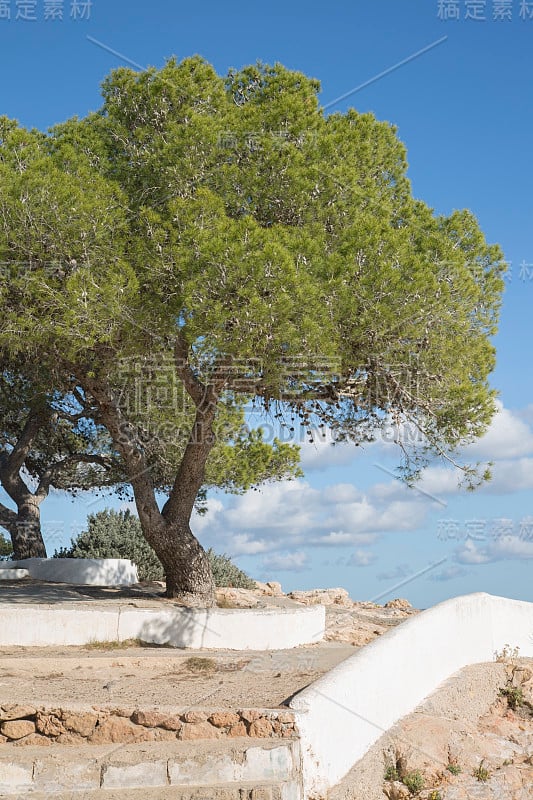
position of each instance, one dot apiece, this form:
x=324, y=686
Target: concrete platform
x=83, y=615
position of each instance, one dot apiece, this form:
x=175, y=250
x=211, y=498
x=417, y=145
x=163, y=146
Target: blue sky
x=464, y=110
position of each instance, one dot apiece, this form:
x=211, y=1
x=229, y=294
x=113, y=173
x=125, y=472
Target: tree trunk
x=187, y=570
x=26, y=535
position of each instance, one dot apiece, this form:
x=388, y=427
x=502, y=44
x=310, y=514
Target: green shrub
x=514, y=695
x=391, y=773
x=226, y=573
x=414, y=781
x=118, y=534
x=6, y=549
x=481, y=773
x=455, y=769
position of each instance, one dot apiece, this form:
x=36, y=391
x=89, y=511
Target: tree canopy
x=227, y=226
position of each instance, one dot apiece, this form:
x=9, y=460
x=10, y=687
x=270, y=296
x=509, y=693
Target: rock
x=325, y=597
x=118, y=730
x=80, y=723
x=236, y=598
x=70, y=738
x=396, y=791
x=198, y=730
x=161, y=735
x=15, y=711
x=237, y=730
x=249, y=715
x=18, y=728
x=48, y=724
x=173, y=723
x=150, y=719
x=285, y=716
x=260, y=729
x=33, y=740
x=400, y=603
x=3, y=739
x=269, y=589
x=195, y=716
x=223, y=719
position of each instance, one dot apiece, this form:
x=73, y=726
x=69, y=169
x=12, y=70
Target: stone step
x=177, y=770
x=244, y=791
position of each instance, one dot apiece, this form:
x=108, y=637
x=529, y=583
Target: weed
x=391, y=773
x=95, y=644
x=414, y=781
x=455, y=769
x=200, y=665
x=481, y=773
x=514, y=695
x=507, y=653
x=435, y=795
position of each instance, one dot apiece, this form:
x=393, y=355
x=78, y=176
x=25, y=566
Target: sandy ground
x=159, y=677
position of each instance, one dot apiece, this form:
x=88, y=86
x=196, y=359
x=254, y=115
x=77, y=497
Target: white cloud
x=505, y=548
x=361, y=558
x=508, y=436
x=296, y=561
x=449, y=573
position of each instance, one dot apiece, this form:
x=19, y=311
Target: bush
x=226, y=573
x=6, y=548
x=118, y=534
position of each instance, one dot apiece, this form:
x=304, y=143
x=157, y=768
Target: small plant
x=391, y=773
x=200, y=665
x=514, y=695
x=435, y=795
x=414, y=781
x=455, y=769
x=507, y=762
x=95, y=644
x=481, y=773
x=508, y=653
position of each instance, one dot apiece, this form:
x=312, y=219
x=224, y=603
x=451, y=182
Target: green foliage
x=226, y=573
x=6, y=550
x=115, y=534
x=391, y=773
x=455, y=769
x=414, y=781
x=515, y=696
x=118, y=534
x=296, y=253
x=481, y=773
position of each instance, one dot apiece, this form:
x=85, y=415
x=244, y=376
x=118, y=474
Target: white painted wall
x=81, y=571
x=236, y=629
x=343, y=713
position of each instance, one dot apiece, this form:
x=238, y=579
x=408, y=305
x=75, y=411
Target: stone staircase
x=229, y=769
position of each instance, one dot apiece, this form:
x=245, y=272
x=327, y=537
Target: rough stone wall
x=22, y=725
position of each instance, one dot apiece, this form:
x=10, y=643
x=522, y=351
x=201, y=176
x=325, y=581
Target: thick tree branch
x=8, y=518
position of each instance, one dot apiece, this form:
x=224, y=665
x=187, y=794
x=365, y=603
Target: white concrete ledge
x=235, y=629
x=13, y=574
x=81, y=571
x=343, y=713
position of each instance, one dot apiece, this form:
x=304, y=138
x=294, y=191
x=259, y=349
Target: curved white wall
x=81, y=571
x=236, y=629
x=343, y=713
